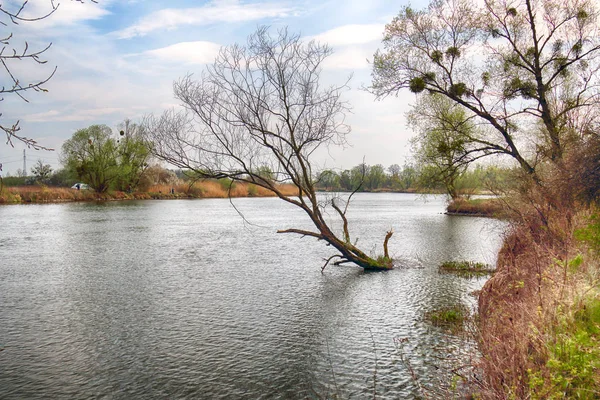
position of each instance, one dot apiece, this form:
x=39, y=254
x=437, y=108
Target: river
x=187, y=299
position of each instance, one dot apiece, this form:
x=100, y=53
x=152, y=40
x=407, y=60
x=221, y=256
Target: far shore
x=35, y=194
x=199, y=190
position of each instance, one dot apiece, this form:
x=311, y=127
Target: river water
x=185, y=299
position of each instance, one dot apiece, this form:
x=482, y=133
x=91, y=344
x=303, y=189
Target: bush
x=573, y=357
x=14, y=180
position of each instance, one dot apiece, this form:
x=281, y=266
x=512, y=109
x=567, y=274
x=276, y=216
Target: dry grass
x=43, y=194
x=219, y=189
x=477, y=207
x=204, y=189
x=543, y=275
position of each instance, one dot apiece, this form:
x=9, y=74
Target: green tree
x=328, y=180
x=394, y=171
x=91, y=154
x=444, y=141
x=62, y=177
x=408, y=176
x=507, y=63
x=357, y=177
x=265, y=172
x=41, y=172
x=346, y=180
x=105, y=162
x=133, y=154
x=376, y=178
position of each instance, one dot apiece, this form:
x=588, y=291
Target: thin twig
x=337, y=390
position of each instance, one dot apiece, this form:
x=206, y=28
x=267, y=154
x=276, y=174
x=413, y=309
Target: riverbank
x=198, y=190
x=539, y=315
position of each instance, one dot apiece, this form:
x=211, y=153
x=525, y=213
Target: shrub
x=573, y=359
x=252, y=190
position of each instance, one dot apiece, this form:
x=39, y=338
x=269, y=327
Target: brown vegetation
x=540, y=313
x=201, y=189
x=476, y=207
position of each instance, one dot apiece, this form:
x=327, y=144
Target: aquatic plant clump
x=452, y=317
x=466, y=269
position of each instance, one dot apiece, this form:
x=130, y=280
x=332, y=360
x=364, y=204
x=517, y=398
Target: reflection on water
x=182, y=299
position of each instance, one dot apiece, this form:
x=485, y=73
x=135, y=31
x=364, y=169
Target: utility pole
x=24, y=163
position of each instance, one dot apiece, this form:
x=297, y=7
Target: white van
x=81, y=186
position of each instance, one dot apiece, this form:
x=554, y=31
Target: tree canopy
x=516, y=66
x=104, y=162
x=445, y=138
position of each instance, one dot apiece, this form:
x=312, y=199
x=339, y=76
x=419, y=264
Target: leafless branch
x=10, y=52
x=257, y=115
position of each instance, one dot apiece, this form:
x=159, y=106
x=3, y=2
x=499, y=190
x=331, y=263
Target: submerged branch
x=328, y=260
x=302, y=232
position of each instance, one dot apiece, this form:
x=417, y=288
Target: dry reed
x=202, y=189
x=534, y=289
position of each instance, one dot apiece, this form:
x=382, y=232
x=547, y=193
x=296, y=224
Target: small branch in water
x=328, y=260
x=375, y=370
x=385, y=243
x=406, y=361
x=342, y=262
x=337, y=390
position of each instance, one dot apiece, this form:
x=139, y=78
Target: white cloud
x=200, y=52
x=67, y=13
x=352, y=45
x=43, y=116
x=350, y=57
x=351, y=34
x=78, y=115
x=213, y=12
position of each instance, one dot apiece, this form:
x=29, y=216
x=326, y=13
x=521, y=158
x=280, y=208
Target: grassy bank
x=198, y=190
x=540, y=313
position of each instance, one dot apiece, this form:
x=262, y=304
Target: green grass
x=466, y=269
x=590, y=234
x=572, y=369
x=451, y=318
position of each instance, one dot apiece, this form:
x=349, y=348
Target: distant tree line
x=411, y=178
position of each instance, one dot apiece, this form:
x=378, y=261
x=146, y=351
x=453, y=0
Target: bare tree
x=14, y=14
x=262, y=107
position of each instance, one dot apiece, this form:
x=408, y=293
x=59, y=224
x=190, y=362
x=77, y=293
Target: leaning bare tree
x=261, y=107
x=10, y=54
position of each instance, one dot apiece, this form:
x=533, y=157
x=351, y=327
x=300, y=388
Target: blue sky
x=118, y=59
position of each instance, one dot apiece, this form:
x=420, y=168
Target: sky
x=118, y=59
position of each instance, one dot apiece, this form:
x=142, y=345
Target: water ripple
x=180, y=299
